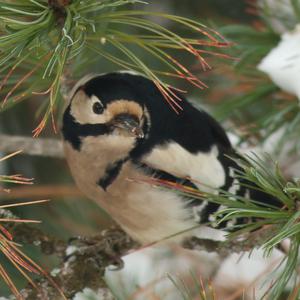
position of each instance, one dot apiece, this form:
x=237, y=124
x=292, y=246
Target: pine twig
x=48, y=191
x=83, y=263
x=83, y=266
x=32, y=146
x=235, y=245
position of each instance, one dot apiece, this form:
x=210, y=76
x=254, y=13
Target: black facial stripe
x=111, y=173
x=72, y=131
x=142, y=146
x=93, y=129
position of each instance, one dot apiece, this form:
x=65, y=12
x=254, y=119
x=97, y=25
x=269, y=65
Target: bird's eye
x=97, y=108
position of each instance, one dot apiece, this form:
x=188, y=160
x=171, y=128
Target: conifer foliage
x=46, y=45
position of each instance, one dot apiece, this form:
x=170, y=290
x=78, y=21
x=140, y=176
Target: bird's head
x=105, y=105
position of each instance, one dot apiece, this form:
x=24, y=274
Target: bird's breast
x=146, y=212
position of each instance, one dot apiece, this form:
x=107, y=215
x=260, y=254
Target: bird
x=118, y=132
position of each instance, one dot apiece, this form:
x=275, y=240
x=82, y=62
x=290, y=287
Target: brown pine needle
x=19, y=220
x=24, y=203
x=41, y=270
x=11, y=250
x=9, y=283
x=6, y=233
x=10, y=155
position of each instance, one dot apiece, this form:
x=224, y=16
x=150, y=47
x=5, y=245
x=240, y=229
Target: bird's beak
x=129, y=123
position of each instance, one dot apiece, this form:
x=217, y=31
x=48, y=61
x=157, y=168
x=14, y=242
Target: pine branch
x=44, y=41
x=243, y=243
x=258, y=106
x=85, y=266
x=32, y=146
x=82, y=268
x=280, y=222
x=282, y=218
x=48, y=191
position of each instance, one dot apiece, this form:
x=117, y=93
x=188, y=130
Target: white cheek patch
x=82, y=110
x=95, y=99
x=235, y=186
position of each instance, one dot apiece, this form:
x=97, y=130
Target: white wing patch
x=197, y=210
x=204, y=169
x=235, y=186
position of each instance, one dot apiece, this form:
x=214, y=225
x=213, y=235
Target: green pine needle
x=283, y=222
x=41, y=45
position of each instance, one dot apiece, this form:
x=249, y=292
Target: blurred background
x=240, y=96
